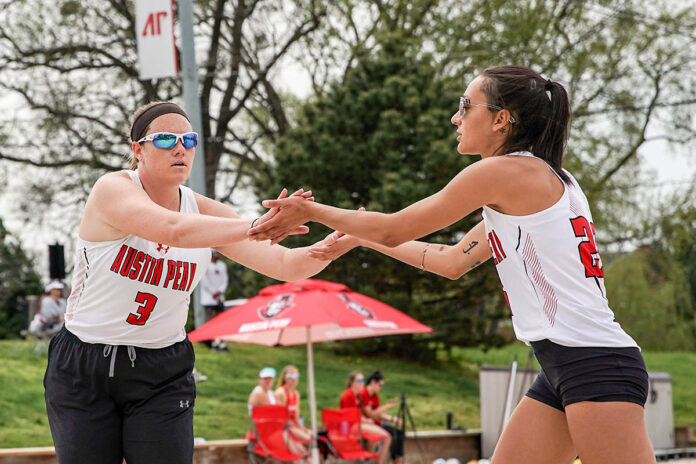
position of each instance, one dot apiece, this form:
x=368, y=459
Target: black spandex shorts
x=573, y=374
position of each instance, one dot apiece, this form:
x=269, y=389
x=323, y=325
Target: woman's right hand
x=273, y=211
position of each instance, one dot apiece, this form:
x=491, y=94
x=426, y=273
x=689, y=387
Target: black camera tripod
x=404, y=414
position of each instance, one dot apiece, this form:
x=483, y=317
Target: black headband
x=548, y=85
x=146, y=117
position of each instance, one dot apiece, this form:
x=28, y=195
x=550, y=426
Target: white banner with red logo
x=154, y=27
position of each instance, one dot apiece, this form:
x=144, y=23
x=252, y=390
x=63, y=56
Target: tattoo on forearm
x=471, y=246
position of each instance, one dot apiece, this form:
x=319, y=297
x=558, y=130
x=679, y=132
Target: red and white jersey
x=132, y=291
x=552, y=274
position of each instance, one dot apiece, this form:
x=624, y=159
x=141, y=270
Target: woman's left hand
x=335, y=245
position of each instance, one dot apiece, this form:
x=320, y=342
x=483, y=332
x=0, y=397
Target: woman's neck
x=165, y=195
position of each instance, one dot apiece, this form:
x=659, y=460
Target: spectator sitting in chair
x=371, y=408
x=351, y=399
x=49, y=319
x=287, y=395
x=262, y=395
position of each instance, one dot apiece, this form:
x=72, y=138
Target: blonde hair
x=132, y=160
x=284, y=372
x=351, y=378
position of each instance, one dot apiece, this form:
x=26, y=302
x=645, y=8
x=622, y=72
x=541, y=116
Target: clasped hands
x=286, y=216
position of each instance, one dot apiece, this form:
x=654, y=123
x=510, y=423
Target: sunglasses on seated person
x=168, y=140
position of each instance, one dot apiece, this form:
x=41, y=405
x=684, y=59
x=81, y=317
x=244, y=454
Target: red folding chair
x=343, y=430
x=269, y=424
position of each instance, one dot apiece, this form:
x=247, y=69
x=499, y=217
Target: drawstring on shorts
x=112, y=350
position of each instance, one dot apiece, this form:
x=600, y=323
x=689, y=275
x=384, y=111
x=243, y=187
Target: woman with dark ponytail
x=588, y=399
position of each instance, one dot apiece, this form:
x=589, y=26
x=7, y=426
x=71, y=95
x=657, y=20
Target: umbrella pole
x=312, y=398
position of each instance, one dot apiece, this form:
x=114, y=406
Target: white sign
x=264, y=325
x=154, y=27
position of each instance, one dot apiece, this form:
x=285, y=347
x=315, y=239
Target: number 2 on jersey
x=588, y=247
x=147, y=301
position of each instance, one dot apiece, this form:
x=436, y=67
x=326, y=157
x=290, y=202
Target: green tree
x=629, y=76
x=377, y=139
x=625, y=65
x=69, y=70
x=650, y=296
x=17, y=280
x=673, y=232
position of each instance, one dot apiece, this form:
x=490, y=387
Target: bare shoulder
x=213, y=207
x=112, y=183
x=508, y=165
x=280, y=394
x=94, y=226
x=116, y=176
x=486, y=171
x=481, y=181
x=524, y=185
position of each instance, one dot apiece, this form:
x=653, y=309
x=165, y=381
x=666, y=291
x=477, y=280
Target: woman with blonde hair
x=287, y=395
x=119, y=380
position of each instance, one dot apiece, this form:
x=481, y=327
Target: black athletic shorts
x=106, y=403
x=573, y=374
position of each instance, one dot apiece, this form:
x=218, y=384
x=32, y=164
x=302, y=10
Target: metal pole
x=509, y=407
x=312, y=398
x=189, y=78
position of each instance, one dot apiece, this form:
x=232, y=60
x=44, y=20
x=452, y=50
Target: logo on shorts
x=184, y=404
x=277, y=306
x=162, y=248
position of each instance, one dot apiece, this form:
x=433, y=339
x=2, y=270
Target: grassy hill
x=221, y=411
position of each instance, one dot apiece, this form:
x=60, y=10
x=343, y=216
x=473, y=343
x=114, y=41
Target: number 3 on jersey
x=147, y=302
x=588, y=247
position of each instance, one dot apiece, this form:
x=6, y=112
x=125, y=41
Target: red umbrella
x=280, y=315
x=307, y=311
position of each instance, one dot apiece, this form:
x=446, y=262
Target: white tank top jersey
x=132, y=291
x=552, y=273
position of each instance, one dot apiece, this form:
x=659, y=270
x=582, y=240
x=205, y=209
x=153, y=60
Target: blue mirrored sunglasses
x=168, y=140
x=292, y=376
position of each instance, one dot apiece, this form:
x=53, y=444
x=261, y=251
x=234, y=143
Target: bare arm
x=445, y=260
x=277, y=262
x=117, y=207
x=475, y=186
x=217, y=226
x=258, y=398
x=280, y=397
x=381, y=412
x=369, y=412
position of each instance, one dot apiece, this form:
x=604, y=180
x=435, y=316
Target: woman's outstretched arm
x=451, y=261
x=477, y=185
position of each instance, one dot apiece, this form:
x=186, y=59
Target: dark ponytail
x=540, y=108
